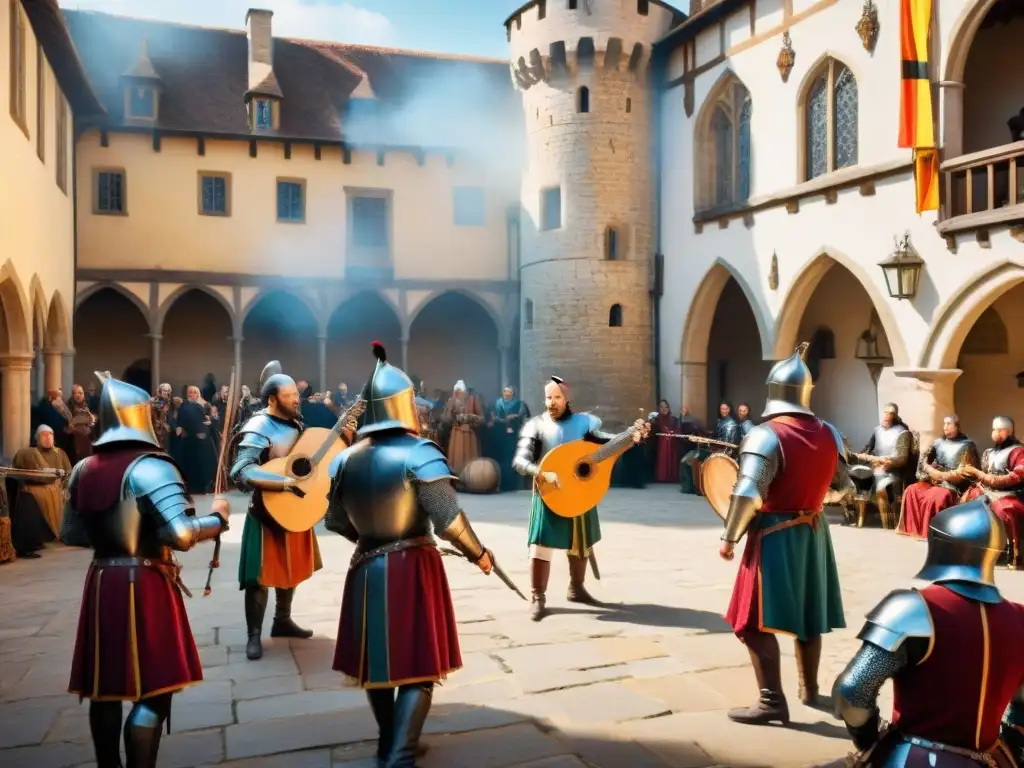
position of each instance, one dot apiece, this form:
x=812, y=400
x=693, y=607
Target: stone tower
x=586, y=225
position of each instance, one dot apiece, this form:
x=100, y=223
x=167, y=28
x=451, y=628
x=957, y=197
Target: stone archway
x=353, y=325
x=845, y=391
x=197, y=338
x=727, y=309
x=16, y=349
x=111, y=333
x=279, y=325
x=453, y=336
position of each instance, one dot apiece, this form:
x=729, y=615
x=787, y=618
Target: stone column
x=694, y=389
x=238, y=362
x=323, y=363
x=38, y=375
x=15, y=402
x=405, y=354
x=154, y=361
x=67, y=372
x=951, y=120
x=503, y=369
x=53, y=372
x=925, y=397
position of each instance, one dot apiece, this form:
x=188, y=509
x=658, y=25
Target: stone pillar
x=951, y=121
x=15, y=402
x=238, y=362
x=38, y=375
x=53, y=372
x=503, y=367
x=67, y=373
x=925, y=397
x=694, y=389
x=154, y=361
x=323, y=363
x=405, y=354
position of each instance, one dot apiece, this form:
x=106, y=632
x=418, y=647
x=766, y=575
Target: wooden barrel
x=480, y=476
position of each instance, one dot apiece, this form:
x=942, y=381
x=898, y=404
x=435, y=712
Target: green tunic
x=578, y=535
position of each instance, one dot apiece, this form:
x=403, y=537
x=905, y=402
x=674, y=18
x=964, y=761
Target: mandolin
x=299, y=508
x=584, y=470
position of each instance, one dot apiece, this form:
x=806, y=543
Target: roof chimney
x=262, y=81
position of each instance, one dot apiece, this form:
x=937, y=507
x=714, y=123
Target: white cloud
x=314, y=19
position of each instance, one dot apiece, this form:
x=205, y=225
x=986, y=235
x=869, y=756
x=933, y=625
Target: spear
x=218, y=486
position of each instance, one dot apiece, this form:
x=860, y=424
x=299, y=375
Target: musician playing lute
x=559, y=424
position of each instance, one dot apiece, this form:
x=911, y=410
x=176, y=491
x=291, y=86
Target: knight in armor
x=271, y=556
x=743, y=419
x=389, y=491
x=557, y=425
x=134, y=641
x=941, y=481
x=1001, y=479
x=880, y=478
x=953, y=653
x=790, y=465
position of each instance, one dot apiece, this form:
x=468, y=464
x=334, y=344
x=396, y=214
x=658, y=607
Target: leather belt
x=359, y=557
x=803, y=517
x=166, y=568
x=985, y=758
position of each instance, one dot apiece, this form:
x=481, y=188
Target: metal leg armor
x=771, y=705
x=577, y=593
x=540, y=571
x=411, y=708
x=884, y=507
x=382, y=703
x=105, y=725
x=142, y=731
x=808, y=656
x=255, y=608
x=283, y=625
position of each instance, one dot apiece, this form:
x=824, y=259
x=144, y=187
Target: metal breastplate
x=126, y=530
x=726, y=429
x=999, y=460
x=553, y=433
x=282, y=436
x=949, y=453
x=378, y=494
x=887, y=440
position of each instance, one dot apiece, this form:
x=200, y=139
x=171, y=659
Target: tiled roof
x=204, y=74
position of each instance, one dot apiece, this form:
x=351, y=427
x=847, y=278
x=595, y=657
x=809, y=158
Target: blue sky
x=456, y=26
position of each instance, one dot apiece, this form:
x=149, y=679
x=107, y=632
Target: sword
x=495, y=568
x=696, y=439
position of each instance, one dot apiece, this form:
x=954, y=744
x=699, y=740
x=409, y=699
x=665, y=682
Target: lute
x=584, y=470
x=299, y=508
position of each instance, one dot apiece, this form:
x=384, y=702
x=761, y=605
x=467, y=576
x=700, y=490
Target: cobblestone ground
x=641, y=683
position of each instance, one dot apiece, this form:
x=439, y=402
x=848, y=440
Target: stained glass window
x=817, y=129
x=743, y=161
x=845, y=125
x=726, y=154
x=721, y=127
x=263, y=113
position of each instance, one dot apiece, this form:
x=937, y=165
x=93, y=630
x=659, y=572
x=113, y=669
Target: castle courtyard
x=642, y=683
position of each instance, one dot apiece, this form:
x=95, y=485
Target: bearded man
x=548, y=532
x=271, y=556
x=887, y=452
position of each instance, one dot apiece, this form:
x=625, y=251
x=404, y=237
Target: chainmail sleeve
x=337, y=519
x=441, y=504
x=904, y=446
x=856, y=690
x=527, y=450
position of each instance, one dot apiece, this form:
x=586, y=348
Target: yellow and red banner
x=917, y=125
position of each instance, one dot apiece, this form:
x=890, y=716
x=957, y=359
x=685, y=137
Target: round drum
x=481, y=476
x=718, y=476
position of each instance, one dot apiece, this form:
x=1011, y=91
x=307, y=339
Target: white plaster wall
x=858, y=230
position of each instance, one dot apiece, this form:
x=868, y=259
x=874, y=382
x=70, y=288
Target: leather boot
x=255, y=608
x=771, y=704
x=412, y=705
x=577, y=593
x=382, y=703
x=105, y=725
x=808, y=655
x=540, y=571
x=283, y=625
x=142, y=731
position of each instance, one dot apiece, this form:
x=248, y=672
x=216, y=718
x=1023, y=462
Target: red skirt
x=134, y=639
x=921, y=502
x=397, y=621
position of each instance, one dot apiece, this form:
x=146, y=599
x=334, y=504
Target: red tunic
x=958, y=694
x=921, y=502
x=1010, y=509
x=809, y=464
x=134, y=639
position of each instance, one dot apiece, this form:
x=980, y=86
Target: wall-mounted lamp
x=902, y=270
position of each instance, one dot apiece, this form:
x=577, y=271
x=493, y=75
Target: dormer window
x=141, y=103
x=264, y=114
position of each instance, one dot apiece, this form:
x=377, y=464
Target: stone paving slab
x=642, y=681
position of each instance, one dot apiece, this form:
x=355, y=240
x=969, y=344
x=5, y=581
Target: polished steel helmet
x=390, y=398
x=964, y=545
x=125, y=413
x=272, y=379
x=789, y=386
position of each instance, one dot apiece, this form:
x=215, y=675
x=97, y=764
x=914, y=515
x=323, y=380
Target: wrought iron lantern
x=902, y=270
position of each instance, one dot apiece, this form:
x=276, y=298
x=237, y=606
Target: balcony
x=983, y=190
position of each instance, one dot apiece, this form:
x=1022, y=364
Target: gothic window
x=615, y=316
x=583, y=99
x=611, y=244
x=551, y=209
x=831, y=112
x=724, y=148
x=263, y=115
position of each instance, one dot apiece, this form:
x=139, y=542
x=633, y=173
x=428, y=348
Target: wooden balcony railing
x=983, y=189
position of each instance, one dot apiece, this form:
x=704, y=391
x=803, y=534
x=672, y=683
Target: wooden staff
x=218, y=484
